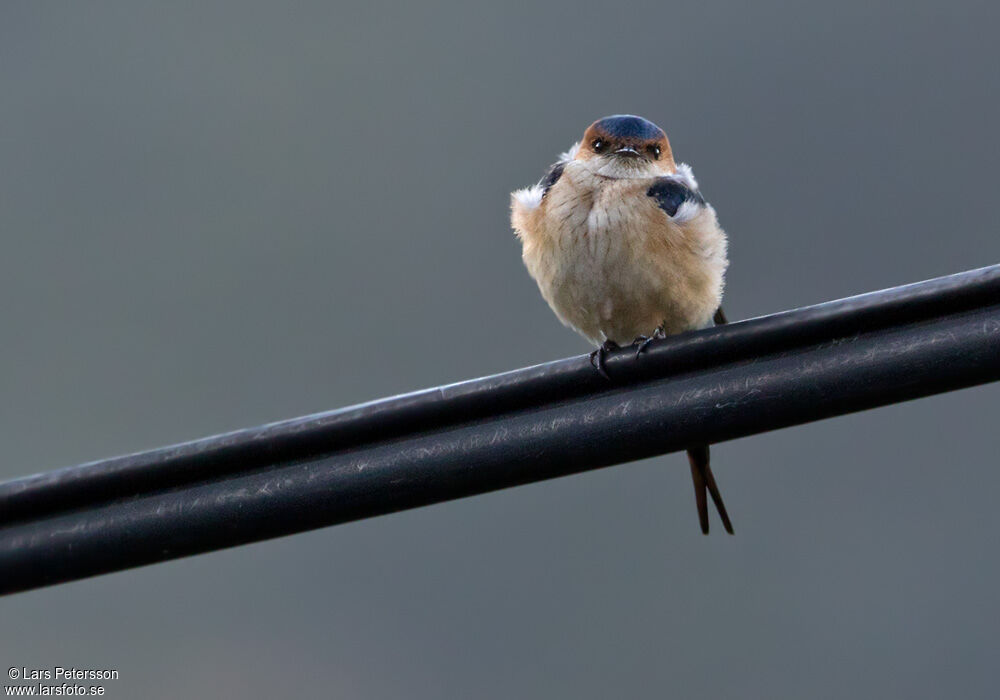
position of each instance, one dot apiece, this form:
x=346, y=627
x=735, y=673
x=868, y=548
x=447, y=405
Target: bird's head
x=624, y=146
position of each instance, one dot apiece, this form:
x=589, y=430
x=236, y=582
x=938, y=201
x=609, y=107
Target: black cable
x=532, y=424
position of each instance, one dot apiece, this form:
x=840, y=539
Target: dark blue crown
x=627, y=126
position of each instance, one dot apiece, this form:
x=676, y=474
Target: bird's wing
x=525, y=204
x=530, y=198
x=676, y=197
x=551, y=177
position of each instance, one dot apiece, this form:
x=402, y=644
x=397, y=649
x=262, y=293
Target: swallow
x=625, y=249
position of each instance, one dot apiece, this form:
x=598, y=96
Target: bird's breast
x=613, y=265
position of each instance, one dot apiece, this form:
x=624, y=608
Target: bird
x=625, y=249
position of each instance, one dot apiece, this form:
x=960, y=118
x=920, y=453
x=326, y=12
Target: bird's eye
x=597, y=145
x=655, y=150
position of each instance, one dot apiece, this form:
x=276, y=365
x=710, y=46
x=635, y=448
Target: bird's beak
x=628, y=152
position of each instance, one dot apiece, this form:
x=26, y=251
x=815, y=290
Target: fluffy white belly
x=613, y=266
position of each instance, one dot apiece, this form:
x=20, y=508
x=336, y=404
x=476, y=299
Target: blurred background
x=215, y=215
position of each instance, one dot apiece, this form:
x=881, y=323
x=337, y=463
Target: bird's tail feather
x=704, y=485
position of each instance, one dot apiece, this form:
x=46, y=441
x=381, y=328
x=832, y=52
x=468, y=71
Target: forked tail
x=704, y=484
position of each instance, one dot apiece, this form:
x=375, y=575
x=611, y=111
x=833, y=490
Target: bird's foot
x=597, y=357
x=644, y=340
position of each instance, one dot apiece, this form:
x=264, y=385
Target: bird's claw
x=643, y=341
x=598, y=355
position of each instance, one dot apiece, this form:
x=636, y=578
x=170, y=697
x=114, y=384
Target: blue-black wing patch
x=555, y=172
x=671, y=194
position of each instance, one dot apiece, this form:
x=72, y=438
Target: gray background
x=226, y=214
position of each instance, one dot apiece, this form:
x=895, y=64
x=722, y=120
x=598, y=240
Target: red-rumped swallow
x=625, y=249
